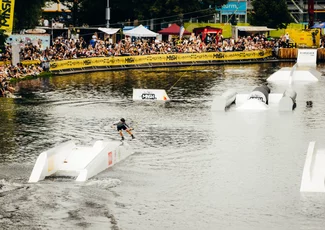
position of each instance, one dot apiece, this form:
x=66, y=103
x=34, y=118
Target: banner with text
x=7, y=15
x=157, y=58
x=150, y=95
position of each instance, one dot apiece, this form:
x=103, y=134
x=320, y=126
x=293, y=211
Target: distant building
x=237, y=10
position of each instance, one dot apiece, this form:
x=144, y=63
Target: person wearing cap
x=121, y=125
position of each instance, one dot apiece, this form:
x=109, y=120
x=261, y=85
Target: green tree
x=93, y=12
x=74, y=6
x=3, y=38
x=27, y=13
x=145, y=9
x=271, y=13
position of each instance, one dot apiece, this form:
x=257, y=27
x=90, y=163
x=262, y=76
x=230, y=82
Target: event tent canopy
x=249, y=29
x=140, y=31
x=207, y=29
x=173, y=29
x=253, y=28
x=108, y=30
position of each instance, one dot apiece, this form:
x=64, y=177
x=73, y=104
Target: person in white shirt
x=46, y=22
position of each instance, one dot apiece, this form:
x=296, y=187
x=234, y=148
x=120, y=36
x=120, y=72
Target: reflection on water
x=193, y=169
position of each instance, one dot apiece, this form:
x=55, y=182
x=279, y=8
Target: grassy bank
x=29, y=77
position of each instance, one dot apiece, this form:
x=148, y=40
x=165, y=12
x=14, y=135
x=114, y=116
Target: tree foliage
x=147, y=9
x=92, y=12
x=27, y=13
x=271, y=13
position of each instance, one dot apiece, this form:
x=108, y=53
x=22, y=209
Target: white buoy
x=220, y=103
x=288, y=101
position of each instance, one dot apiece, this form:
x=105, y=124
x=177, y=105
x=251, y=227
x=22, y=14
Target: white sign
x=150, y=95
x=307, y=57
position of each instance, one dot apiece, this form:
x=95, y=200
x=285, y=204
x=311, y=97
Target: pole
x=108, y=14
x=311, y=13
x=52, y=31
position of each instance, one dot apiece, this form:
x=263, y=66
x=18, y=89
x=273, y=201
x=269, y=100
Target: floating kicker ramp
x=82, y=162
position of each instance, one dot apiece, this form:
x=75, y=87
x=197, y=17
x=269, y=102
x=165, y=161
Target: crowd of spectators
x=8, y=72
x=64, y=48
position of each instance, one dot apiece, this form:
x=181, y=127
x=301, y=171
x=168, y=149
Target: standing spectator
x=46, y=22
x=93, y=41
x=287, y=39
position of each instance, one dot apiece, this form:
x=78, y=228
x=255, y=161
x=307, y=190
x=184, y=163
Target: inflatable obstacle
x=313, y=177
x=260, y=98
x=150, y=95
x=222, y=102
x=303, y=71
x=82, y=162
x=288, y=100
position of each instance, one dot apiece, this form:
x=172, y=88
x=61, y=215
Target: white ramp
x=303, y=71
x=314, y=170
x=82, y=162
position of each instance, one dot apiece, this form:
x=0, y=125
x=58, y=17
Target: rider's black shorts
x=120, y=127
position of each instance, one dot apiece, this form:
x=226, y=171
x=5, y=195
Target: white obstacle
x=220, y=103
x=313, y=177
x=259, y=99
x=288, y=100
x=150, y=95
x=82, y=162
x=303, y=71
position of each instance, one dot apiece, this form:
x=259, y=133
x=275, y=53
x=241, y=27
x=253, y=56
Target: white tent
x=140, y=31
x=251, y=29
x=108, y=30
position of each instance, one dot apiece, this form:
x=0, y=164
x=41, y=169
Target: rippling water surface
x=193, y=168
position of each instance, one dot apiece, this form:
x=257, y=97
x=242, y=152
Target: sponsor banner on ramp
x=150, y=95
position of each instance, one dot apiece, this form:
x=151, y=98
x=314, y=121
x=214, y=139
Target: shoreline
x=149, y=65
x=168, y=64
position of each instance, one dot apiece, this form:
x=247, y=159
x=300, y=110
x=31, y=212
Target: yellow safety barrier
x=31, y=62
x=157, y=58
x=25, y=62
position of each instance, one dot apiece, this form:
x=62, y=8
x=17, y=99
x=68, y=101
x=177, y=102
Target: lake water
x=193, y=168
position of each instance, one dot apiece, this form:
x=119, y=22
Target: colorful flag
x=181, y=32
x=7, y=15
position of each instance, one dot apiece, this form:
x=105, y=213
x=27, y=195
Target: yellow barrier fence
x=24, y=62
x=31, y=62
x=157, y=58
